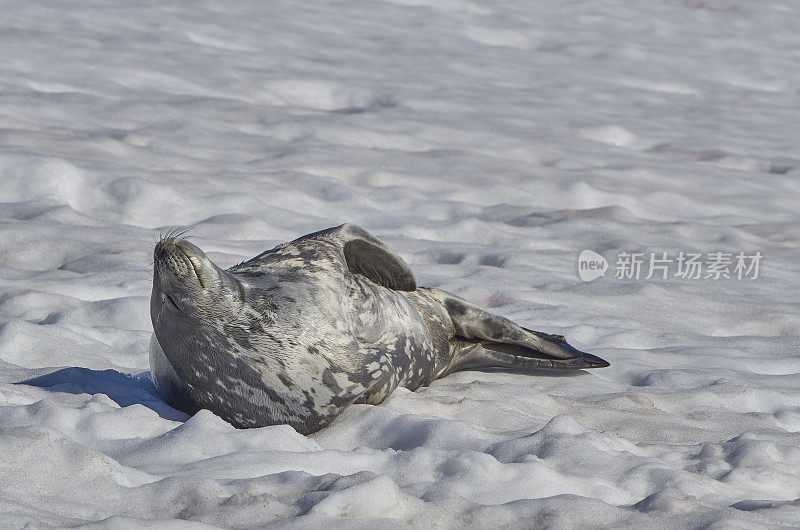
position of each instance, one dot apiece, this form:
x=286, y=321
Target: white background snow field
x=489, y=143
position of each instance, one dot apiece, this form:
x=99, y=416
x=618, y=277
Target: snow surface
x=488, y=143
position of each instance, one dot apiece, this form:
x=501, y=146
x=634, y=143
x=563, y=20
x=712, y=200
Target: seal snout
x=184, y=260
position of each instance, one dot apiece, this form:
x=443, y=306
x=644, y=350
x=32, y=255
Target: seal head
x=190, y=295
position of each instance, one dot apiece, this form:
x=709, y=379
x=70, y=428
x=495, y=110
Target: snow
x=489, y=143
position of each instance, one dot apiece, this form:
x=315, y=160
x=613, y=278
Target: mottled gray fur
x=299, y=332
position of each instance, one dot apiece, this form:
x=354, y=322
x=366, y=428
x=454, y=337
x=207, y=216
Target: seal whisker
x=175, y=232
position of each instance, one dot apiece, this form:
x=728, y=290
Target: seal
x=298, y=333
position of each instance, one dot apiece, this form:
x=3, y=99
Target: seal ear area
x=379, y=264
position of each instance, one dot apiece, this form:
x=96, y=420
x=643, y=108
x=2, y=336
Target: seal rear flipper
x=474, y=323
x=485, y=354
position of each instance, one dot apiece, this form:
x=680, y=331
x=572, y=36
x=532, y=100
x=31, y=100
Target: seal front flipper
x=369, y=256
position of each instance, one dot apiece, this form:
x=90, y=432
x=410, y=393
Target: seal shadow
x=127, y=389
x=124, y=389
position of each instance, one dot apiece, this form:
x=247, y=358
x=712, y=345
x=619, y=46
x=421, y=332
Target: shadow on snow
x=124, y=389
x=127, y=389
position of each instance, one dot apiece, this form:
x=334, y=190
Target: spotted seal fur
x=297, y=333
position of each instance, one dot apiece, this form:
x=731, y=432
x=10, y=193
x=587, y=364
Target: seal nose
x=183, y=259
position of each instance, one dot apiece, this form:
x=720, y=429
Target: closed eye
x=169, y=301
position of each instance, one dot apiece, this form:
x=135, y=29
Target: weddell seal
x=297, y=333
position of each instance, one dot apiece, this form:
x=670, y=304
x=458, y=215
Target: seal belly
x=168, y=383
x=438, y=323
x=399, y=348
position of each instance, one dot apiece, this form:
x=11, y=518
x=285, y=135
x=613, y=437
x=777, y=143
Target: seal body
x=298, y=333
